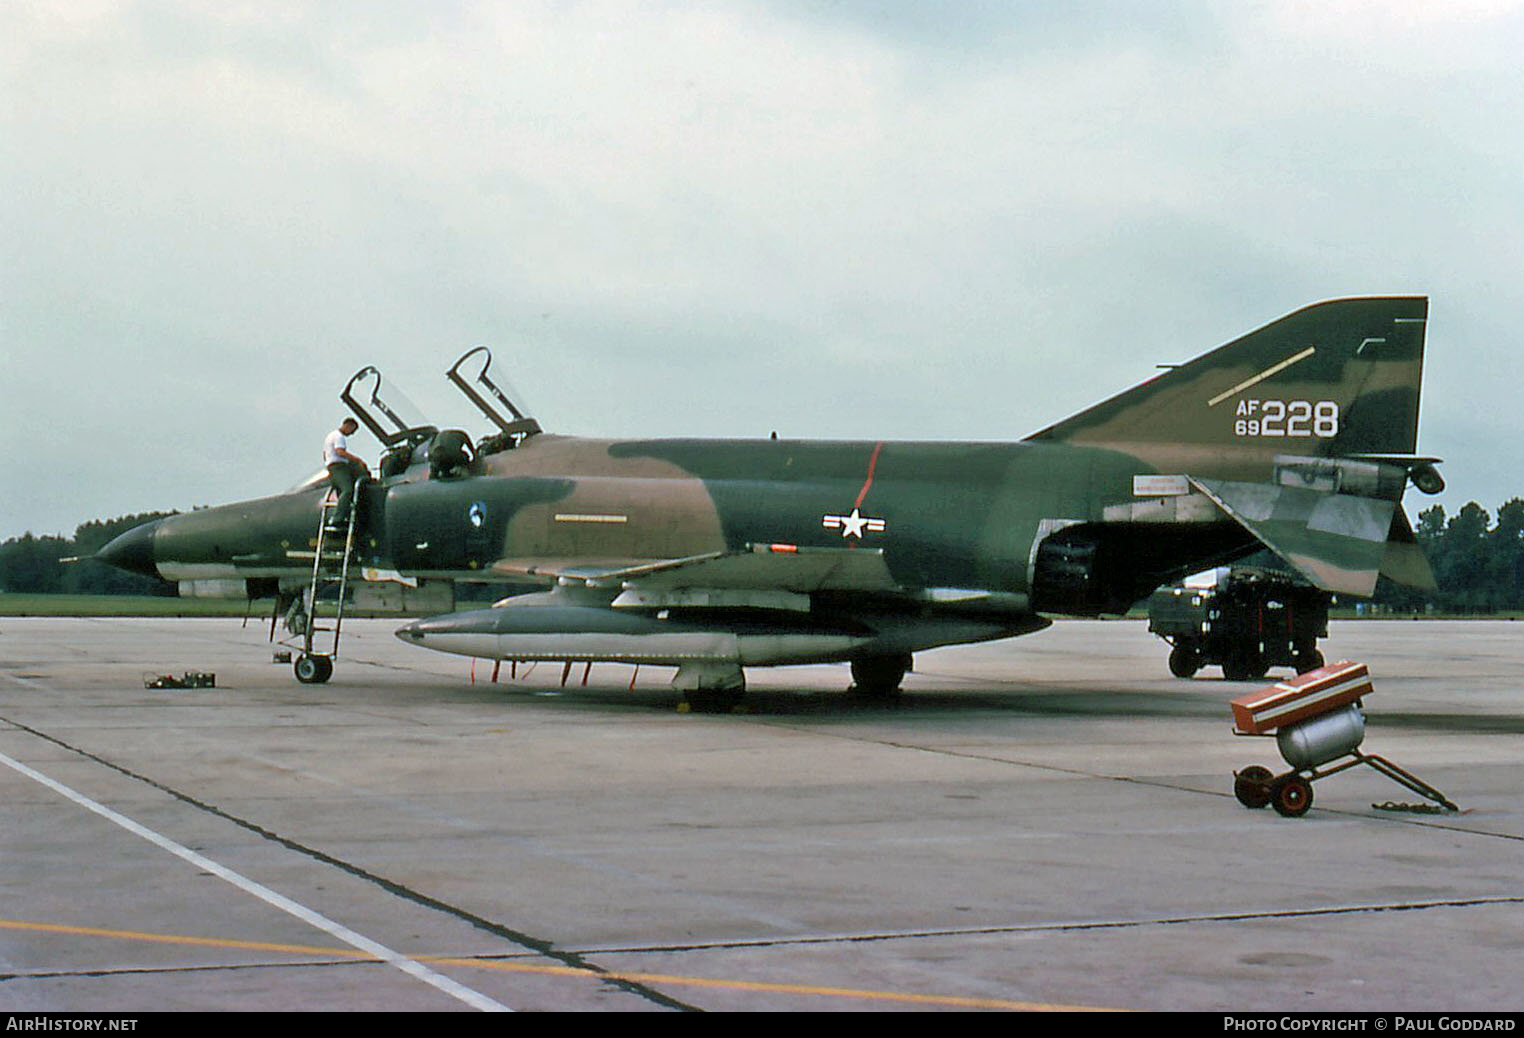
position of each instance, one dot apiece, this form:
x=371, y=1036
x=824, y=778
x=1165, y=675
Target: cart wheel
x=1184, y=662
x=1292, y=796
x=313, y=670
x=1252, y=786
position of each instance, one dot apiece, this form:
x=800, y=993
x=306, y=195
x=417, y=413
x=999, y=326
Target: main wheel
x=1307, y=659
x=1291, y=796
x=313, y=670
x=879, y=675
x=1184, y=662
x=715, y=700
x=1252, y=786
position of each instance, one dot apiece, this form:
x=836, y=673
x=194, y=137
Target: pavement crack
x=1062, y=926
x=537, y=945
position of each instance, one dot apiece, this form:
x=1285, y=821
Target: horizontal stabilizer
x=1405, y=562
x=1337, y=541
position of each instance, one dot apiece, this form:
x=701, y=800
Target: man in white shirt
x=344, y=469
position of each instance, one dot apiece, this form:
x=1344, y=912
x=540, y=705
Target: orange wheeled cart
x=1316, y=719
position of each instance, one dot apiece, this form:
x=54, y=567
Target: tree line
x=35, y=565
x=1478, y=563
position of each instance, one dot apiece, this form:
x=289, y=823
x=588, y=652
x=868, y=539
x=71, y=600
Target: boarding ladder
x=330, y=569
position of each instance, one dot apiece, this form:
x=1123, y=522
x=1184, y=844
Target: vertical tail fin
x=1333, y=379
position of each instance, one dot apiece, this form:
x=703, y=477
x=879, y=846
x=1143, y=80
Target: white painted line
x=1274, y=370
x=458, y=991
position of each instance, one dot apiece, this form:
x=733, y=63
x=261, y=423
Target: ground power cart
x=1243, y=620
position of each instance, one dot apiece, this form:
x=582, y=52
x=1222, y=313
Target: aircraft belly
x=208, y=571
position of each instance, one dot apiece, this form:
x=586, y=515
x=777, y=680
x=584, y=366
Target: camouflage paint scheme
x=710, y=555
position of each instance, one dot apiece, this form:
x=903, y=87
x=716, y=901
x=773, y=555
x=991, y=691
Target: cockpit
x=449, y=453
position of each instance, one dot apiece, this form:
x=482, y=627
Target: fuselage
x=944, y=515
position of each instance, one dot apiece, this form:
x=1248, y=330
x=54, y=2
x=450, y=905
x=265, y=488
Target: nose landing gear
x=313, y=669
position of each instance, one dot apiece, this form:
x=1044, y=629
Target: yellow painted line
x=955, y=1001
x=204, y=942
x=790, y=989
x=1255, y=380
x=270, y=897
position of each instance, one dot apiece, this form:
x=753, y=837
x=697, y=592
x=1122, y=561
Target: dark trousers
x=341, y=474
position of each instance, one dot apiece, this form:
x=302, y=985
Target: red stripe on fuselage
x=872, y=464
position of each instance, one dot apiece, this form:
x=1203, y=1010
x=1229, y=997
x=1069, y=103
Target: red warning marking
x=872, y=464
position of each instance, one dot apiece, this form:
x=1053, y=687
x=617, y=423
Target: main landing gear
x=879, y=677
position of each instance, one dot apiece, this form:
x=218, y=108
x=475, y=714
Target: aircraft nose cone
x=415, y=632
x=133, y=550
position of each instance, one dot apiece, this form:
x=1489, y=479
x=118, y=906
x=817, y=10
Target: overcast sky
x=857, y=219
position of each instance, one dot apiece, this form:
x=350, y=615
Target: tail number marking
x=1287, y=419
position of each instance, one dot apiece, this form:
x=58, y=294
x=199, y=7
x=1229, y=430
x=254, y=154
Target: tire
x=1244, y=666
x=1291, y=796
x=313, y=670
x=879, y=676
x=1311, y=659
x=1184, y=662
x=715, y=700
x=1252, y=786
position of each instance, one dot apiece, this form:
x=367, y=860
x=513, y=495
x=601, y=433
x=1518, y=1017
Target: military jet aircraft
x=711, y=556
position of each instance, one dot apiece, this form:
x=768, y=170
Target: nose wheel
x=313, y=669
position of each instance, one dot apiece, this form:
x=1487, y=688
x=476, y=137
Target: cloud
x=853, y=219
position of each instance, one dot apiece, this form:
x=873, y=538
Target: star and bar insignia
x=854, y=525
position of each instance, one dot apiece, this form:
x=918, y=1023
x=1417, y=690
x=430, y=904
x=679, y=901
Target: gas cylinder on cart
x=1321, y=739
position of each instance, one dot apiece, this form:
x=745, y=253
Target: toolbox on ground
x=1307, y=695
